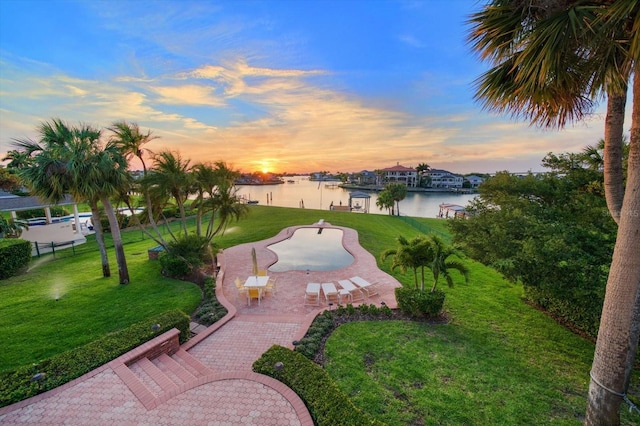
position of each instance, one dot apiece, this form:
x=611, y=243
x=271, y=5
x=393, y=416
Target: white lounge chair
x=365, y=285
x=312, y=294
x=355, y=292
x=330, y=292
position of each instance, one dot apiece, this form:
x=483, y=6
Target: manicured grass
x=499, y=361
x=36, y=326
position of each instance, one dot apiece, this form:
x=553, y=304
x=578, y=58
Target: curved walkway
x=227, y=392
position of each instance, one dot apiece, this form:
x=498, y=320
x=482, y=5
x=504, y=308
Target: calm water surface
x=312, y=249
x=314, y=196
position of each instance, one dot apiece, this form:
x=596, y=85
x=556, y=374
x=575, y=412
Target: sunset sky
x=284, y=86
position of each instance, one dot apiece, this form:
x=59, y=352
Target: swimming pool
x=313, y=249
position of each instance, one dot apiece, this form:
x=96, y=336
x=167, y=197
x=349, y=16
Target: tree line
x=94, y=167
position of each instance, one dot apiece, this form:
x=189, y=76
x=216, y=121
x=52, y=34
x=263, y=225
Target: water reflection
x=317, y=196
x=313, y=249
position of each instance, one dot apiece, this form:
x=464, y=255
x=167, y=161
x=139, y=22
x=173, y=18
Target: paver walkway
x=226, y=392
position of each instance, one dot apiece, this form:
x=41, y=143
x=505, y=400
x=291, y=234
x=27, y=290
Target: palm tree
x=18, y=159
x=385, y=201
x=440, y=264
x=225, y=201
x=425, y=252
x=131, y=141
x=398, y=192
x=71, y=160
x=129, y=138
x=422, y=168
x=170, y=178
x=550, y=60
x=409, y=255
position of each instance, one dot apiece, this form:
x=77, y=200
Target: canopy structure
x=356, y=206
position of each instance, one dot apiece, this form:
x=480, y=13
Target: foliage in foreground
x=20, y=384
x=327, y=404
x=551, y=233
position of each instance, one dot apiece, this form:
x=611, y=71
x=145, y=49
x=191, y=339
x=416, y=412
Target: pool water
x=313, y=249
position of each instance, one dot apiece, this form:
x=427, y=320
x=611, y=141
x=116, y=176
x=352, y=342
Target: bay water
x=303, y=193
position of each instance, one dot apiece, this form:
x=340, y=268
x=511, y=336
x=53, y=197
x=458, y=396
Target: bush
x=327, y=404
x=210, y=310
x=173, y=266
x=420, y=304
x=185, y=255
x=15, y=254
x=17, y=385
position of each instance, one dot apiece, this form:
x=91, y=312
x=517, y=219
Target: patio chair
x=253, y=293
x=271, y=286
x=262, y=272
x=312, y=294
x=330, y=292
x=241, y=288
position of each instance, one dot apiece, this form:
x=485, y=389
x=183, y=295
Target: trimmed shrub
x=210, y=310
x=327, y=403
x=20, y=384
x=15, y=255
x=420, y=304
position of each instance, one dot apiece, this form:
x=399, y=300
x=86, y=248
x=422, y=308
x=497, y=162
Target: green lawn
x=498, y=361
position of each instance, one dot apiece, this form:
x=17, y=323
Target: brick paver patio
x=231, y=394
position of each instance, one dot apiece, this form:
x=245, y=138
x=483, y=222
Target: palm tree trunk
x=618, y=334
x=613, y=175
x=123, y=270
x=183, y=216
x=97, y=228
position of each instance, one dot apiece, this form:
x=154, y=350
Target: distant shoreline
x=410, y=189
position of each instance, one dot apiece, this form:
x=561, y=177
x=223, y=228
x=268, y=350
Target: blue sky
x=285, y=86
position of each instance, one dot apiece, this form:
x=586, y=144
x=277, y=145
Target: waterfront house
x=365, y=177
x=401, y=174
x=444, y=179
x=474, y=181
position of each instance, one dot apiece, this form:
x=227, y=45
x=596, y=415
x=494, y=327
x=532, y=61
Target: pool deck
x=226, y=392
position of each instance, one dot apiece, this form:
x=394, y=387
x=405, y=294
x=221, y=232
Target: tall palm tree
x=171, y=177
x=129, y=138
x=71, y=160
x=131, y=141
x=225, y=202
x=550, y=60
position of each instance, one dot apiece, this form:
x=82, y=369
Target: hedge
x=420, y=304
x=19, y=384
x=15, y=254
x=327, y=404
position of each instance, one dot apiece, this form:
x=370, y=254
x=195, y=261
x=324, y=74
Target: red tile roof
x=399, y=168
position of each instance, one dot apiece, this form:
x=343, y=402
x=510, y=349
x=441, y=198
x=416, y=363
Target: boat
x=451, y=211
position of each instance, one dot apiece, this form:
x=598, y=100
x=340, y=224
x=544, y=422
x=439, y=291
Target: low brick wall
x=166, y=343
